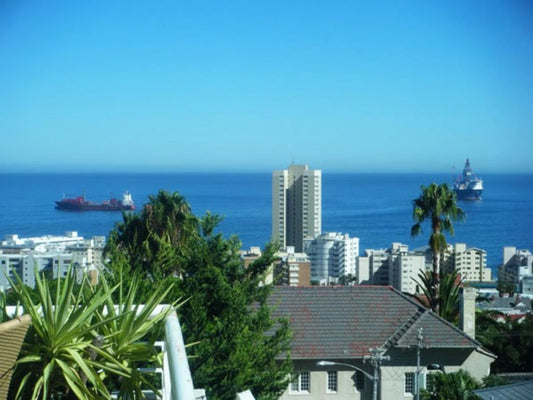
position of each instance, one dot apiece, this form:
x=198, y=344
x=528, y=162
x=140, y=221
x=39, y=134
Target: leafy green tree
x=505, y=288
x=445, y=300
x=452, y=386
x=494, y=380
x=438, y=204
x=348, y=279
x=511, y=340
x=155, y=241
x=238, y=344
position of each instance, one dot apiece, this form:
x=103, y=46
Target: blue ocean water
x=374, y=207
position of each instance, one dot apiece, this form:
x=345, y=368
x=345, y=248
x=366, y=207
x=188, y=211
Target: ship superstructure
x=468, y=186
x=79, y=203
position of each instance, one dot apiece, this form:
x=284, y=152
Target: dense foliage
x=452, y=386
x=511, y=340
x=237, y=342
x=444, y=299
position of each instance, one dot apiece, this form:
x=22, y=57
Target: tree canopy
x=238, y=345
x=438, y=204
x=511, y=340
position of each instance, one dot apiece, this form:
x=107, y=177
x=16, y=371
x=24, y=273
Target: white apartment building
x=470, y=263
x=332, y=255
x=396, y=266
x=296, y=205
x=516, y=264
x=405, y=267
x=53, y=254
x=378, y=266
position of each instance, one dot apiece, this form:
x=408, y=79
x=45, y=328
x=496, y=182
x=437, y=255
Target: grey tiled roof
x=517, y=391
x=507, y=303
x=345, y=321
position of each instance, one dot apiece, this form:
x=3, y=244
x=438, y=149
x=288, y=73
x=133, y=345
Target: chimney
x=468, y=311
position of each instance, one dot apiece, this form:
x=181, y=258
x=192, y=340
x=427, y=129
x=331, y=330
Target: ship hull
x=468, y=194
x=80, y=204
x=71, y=206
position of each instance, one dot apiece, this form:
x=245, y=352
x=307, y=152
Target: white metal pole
x=180, y=374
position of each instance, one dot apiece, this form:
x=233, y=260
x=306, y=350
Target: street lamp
x=375, y=358
x=331, y=363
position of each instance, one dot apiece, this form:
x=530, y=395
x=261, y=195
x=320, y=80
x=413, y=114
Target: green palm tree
x=453, y=386
x=445, y=301
x=438, y=204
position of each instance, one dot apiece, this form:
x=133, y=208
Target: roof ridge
x=398, y=334
x=430, y=312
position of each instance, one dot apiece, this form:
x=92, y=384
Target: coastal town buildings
x=332, y=255
x=405, y=268
x=289, y=268
x=395, y=266
x=296, y=205
x=516, y=265
x=52, y=254
x=292, y=269
x=470, y=263
x=378, y=265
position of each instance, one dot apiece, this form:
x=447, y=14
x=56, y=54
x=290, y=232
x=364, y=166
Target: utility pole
x=419, y=339
x=376, y=357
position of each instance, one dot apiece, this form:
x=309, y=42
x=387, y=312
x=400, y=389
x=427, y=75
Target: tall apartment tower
x=296, y=205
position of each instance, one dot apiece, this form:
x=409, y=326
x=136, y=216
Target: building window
x=430, y=383
x=332, y=381
x=359, y=381
x=409, y=382
x=300, y=382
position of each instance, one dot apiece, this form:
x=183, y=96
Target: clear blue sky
x=415, y=86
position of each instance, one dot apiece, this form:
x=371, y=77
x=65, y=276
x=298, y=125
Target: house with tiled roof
x=341, y=324
x=515, y=391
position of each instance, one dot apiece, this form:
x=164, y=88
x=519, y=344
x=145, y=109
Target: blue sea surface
x=376, y=208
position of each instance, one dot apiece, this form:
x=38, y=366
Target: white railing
x=177, y=379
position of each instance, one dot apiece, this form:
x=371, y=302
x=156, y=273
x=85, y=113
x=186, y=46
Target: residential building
x=52, y=254
x=289, y=268
x=296, y=205
x=470, y=263
x=405, y=268
x=516, y=264
x=292, y=269
x=362, y=270
x=332, y=255
x=526, y=285
x=378, y=265
x=395, y=266
x=341, y=324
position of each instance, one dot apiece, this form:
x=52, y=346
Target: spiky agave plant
x=131, y=333
x=81, y=345
x=55, y=353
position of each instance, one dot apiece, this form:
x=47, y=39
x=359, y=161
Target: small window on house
x=359, y=381
x=409, y=382
x=300, y=382
x=332, y=381
x=430, y=383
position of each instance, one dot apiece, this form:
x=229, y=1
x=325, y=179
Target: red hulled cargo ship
x=81, y=204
